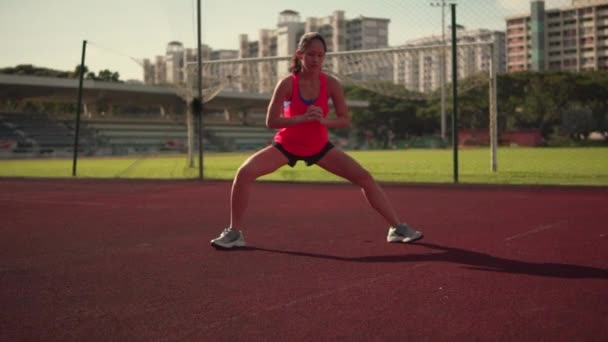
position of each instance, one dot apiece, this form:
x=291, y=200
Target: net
x=400, y=96
x=407, y=72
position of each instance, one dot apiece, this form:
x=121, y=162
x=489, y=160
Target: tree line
x=32, y=70
x=558, y=104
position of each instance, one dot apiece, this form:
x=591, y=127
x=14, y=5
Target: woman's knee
x=246, y=173
x=364, y=179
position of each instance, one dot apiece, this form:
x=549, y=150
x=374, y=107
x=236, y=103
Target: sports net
x=400, y=95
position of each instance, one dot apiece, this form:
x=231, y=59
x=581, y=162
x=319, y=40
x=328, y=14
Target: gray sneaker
x=229, y=239
x=404, y=234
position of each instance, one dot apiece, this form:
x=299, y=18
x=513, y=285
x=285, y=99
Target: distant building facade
x=419, y=69
x=340, y=34
x=571, y=38
x=178, y=64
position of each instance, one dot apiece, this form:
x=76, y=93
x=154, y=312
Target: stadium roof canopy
x=51, y=89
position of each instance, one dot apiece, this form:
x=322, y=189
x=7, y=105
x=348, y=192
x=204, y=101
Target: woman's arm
x=274, y=117
x=336, y=94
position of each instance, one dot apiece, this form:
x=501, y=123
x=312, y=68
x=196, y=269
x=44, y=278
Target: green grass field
x=570, y=166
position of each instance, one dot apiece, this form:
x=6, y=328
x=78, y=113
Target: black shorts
x=310, y=160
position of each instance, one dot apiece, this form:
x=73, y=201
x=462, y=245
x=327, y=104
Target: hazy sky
x=50, y=33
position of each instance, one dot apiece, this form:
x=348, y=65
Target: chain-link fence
x=531, y=90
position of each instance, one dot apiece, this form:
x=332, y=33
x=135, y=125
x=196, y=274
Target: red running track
x=130, y=260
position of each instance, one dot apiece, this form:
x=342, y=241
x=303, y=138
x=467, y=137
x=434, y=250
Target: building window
x=583, y=11
x=555, y=65
x=514, y=22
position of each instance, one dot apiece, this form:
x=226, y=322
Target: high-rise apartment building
x=419, y=68
x=340, y=34
x=178, y=64
x=571, y=38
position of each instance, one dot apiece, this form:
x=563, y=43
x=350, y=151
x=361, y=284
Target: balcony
x=517, y=60
x=516, y=42
x=553, y=59
x=516, y=22
x=518, y=35
x=516, y=30
x=517, y=54
x=515, y=68
x=589, y=54
x=555, y=39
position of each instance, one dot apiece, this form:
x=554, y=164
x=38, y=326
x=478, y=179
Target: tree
x=28, y=69
x=31, y=70
x=109, y=76
x=575, y=102
x=474, y=107
x=592, y=92
x=511, y=90
x=388, y=117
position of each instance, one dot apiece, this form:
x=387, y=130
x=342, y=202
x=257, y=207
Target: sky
x=120, y=33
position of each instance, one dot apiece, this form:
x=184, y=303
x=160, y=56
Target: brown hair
x=305, y=40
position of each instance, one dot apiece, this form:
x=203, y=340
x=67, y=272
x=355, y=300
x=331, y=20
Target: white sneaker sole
x=399, y=239
x=238, y=243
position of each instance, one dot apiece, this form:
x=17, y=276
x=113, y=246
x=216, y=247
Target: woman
x=299, y=108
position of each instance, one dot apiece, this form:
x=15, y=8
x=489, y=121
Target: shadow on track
x=471, y=259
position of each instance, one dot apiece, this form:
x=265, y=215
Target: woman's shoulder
x=285, y=85
x=286, y=80
x=332, y=81
x=331, y=78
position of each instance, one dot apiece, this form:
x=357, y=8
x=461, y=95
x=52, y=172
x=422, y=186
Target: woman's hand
x=314, y=113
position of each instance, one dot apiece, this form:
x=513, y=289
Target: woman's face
x=312, y=57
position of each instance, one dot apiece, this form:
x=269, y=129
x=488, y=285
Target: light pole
x=442, y=66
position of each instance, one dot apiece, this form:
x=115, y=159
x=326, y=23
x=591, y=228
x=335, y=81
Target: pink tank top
x=307, y=138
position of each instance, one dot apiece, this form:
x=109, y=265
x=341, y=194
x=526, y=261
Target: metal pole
x=200, y=94
x=493, y=112
x=454, y=93
x=78, y=108
x=443, y=73
x=443, y=67
x=190, y=129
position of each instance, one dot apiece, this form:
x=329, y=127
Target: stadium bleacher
x=40, y=134
x=138, y=135
x=239, y=137
x=162, y=135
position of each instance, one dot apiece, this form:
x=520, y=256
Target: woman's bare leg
x=261, y=163
x=341, y=164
